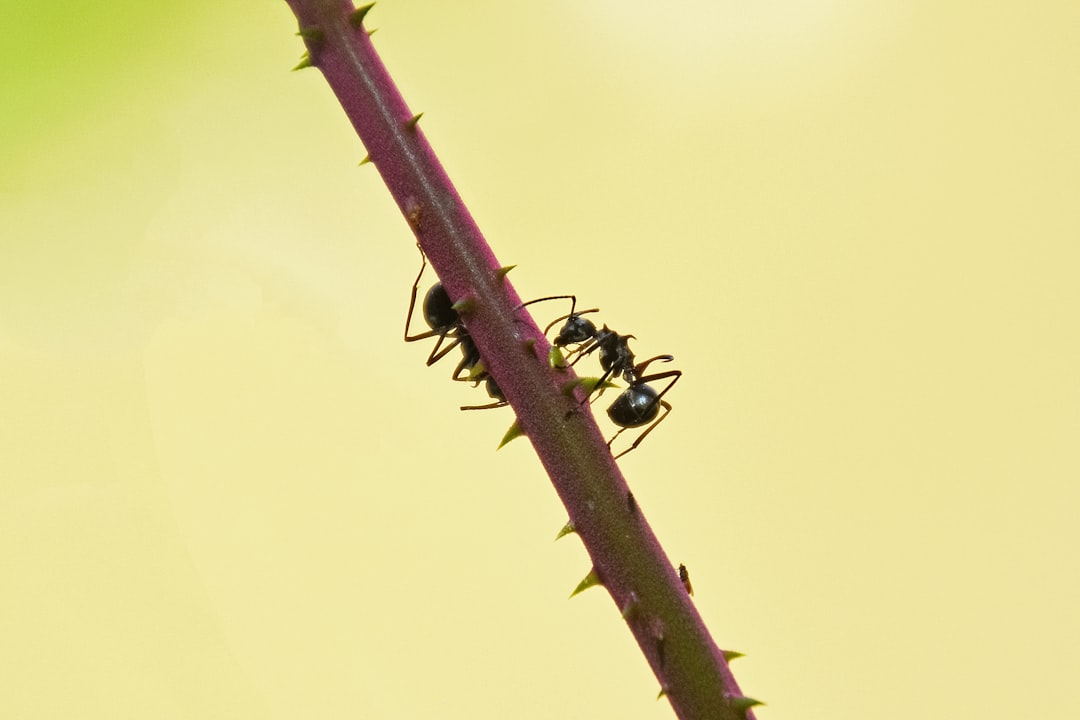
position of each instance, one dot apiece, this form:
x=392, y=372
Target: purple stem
x=627, y=558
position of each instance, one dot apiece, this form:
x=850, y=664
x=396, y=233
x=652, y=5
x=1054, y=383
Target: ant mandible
x=639, y=404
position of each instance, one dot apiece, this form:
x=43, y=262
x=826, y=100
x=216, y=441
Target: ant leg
x=640, y=368
x=489, y=406
x=412, y=303
x=589, y=399
x=586, y=348
x=598, y=388
x=436, y=354
x=570, y=315
x=494, y=392
x=470, y=364
x=665, y=405
x=573, y=304
x=667, y=409
x=673, y=374
x=571, y=298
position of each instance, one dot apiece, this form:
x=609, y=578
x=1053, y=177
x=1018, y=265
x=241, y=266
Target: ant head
x=438, y=310
x=576, y=330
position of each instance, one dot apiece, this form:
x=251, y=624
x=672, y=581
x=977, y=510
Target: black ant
x=576, y=331
x=639, y=404
x=445, y=322
x=616, y=357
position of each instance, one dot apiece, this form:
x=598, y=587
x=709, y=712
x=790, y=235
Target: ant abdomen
x=636, y=406
x=439, y=312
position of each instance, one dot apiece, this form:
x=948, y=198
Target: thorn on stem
x=589, y=581
x=311, y=34
x=465, y=305
x=567, y=529
x=556, y=359
x=742, y=704
x=478, y=372
x=305, y=62
x=514, y=432
x=356, y=17
x=410, y=124
x=570, y=386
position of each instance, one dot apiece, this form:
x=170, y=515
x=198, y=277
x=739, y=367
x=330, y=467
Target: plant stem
x=627, y=558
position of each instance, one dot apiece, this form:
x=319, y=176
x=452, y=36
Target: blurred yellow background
x=229, y=490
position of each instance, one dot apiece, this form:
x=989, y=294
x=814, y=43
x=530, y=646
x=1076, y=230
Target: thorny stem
x=627, y=558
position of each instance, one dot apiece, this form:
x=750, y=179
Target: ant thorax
x=616, y=357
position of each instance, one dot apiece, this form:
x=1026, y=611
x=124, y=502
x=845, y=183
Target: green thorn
x=515, y=431
x=570, y=386
x=567, y=529
x=742, y=704
x=464, y=305
x=372, y=31
x=366, y=160
x=311, y=34
x=356, y=17
x=556, y=359
x=477, y=371
x=590, y=580
x=305, y=62
x=662, y=693
x=411, y=124
x=730, y=655
x=501, y=272
x=590, y=384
